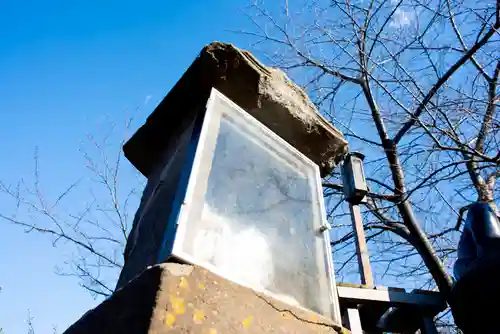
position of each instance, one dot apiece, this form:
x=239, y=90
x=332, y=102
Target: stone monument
x=230, y=234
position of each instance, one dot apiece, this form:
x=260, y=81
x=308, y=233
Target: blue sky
x=66, y=67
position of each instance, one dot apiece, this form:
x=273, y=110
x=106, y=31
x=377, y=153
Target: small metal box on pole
x=355, y=188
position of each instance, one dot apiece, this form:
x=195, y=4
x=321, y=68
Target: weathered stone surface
x=264, y=92
x=177, y=298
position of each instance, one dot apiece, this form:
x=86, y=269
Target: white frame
x=205, y=150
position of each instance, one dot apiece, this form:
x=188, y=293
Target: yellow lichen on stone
x=345, y=331
x=247, y=321
x=314, y=318
x=184, y=283
x=212, y=331
x=177, y=305
x=286, y=315
x=198, y=316
x=169, y=319
x=201, y=286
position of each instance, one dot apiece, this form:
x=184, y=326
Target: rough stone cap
x=264, y=92
x=176, y=298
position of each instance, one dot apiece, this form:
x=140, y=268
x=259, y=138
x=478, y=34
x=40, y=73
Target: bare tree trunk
x=420, y=241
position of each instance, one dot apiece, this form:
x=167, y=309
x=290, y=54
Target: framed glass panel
x=253, y=212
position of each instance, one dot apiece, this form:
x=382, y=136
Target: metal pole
x=354, y=322
x=361, y=249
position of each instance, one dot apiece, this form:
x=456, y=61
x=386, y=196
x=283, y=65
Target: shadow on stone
x=128, y=310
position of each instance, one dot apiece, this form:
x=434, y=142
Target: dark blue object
x=477, y=271
x=480, y=238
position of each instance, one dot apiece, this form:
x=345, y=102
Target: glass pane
x=357, y=169
x=261, y=214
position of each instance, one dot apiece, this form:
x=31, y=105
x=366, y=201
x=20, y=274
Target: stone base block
x=176, y=298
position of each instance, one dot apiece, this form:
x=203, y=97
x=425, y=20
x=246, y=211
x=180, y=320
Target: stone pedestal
x=175, y=298
x=179, y=298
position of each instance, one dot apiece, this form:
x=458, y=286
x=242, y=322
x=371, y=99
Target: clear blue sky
x=63, y=65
